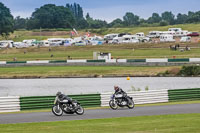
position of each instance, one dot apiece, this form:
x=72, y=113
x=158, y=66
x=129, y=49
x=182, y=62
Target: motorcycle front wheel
x=130, y=104
x=57, y=110
x=80, y=111
x=113, y=105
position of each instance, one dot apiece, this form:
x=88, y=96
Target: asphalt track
x=101, y=113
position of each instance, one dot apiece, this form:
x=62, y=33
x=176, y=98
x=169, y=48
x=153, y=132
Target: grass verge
x=181, y=123
x=122, y=51
x=82, y=71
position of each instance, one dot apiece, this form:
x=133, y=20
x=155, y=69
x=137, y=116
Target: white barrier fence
x=142, y=97
x=156, y=60
x=76, y=61
x=194, y=60
x=9, y=104
x=2, y=62
x=38, y=62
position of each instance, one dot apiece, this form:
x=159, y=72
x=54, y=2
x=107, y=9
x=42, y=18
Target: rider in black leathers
x=119, y=90
x=64, y=97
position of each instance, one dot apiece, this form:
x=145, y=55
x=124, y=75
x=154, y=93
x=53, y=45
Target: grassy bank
x=123, y=51
x=36, y=34
x=85, y=71
x=181, y=123
x=146, y=30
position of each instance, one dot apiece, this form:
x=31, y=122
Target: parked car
x=193, y=34
x=185, y=39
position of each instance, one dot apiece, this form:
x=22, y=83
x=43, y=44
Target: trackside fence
x=9, y=104
x=155, y=60
x=184, y=94
x=42, y=102
x=16, y=103
x=142, y=97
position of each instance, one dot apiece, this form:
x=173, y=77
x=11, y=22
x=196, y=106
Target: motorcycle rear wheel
x=113, y=105
x=57, y=111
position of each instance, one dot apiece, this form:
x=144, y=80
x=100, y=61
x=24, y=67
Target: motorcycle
x=121, y=101
x=63, y=106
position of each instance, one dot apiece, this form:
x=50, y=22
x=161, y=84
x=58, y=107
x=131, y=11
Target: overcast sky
x=108, y=9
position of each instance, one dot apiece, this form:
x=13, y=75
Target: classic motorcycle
x=63, y=106
x=121, y=101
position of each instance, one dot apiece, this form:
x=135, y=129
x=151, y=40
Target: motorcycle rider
x=64, y=98
x=119, y=90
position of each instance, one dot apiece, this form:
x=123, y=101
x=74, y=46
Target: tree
x=95, y=23
x=155, y=18
x=131, y=19
x=169, y=17
x=19, y=23
x=77, y=12
x=164, y=23
x=6, y=21
x=83, y=24
x=181, y=18
x=193, y=17
x=116, y=23
x=88, y=18
x=52, y=16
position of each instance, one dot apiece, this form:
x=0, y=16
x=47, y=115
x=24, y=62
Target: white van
x=20, y=45
x=140, y=35
x=119, y=38
x=130, y=39
x=44, y=43
x=179, y=32
x=175, y=29
x=185, y=39
x=167, y=38
x=6, y=43
x=29, y=42
x=56, y=41
x=182, y=33
x=154, y=34
x=109, y=37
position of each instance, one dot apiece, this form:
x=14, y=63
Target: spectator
x=14, y=59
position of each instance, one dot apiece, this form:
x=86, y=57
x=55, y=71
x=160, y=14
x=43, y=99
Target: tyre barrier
x=16, y=103
x=161, y=60
x=42, y=102
x=184, y=94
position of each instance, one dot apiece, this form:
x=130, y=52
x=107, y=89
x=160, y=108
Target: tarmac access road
x=100, y=113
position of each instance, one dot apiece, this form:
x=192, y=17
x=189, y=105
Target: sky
x=108, y=9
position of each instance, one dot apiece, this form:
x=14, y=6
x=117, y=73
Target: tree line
x=71, y=16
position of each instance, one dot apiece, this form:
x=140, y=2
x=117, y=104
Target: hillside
x=36, y=34
x=146, y=30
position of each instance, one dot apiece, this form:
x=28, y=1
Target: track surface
x=101, y=113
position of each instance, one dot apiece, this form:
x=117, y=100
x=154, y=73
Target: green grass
x=146, y=30
x=24, y=35
x=83, y=71
x=181, y=123
x=124, y=51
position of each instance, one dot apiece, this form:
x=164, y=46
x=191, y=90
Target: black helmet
x=58, y=93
